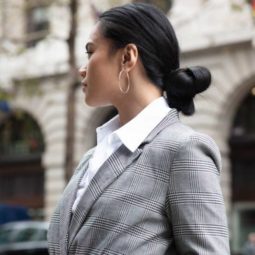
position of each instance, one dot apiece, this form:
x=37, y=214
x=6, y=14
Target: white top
x=111, y=136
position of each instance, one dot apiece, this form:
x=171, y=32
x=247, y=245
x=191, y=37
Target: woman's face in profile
x=100, y=74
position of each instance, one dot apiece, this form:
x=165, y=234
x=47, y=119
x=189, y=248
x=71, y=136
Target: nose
x=83, y=71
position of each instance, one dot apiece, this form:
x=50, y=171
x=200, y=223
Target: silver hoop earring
x=124, y=91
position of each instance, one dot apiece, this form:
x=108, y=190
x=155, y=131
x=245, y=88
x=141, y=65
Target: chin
x=89, y=103
x=94, y=103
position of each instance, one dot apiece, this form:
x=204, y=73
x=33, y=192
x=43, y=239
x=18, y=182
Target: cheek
x=102, y=74
x=95, y=70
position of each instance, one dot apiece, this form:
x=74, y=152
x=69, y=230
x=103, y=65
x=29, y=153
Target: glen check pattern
x=164, y=198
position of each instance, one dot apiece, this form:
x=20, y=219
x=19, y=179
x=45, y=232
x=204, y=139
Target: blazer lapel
x=109, y=172
x=171, y=118
x=69, y=196
x=106, y=174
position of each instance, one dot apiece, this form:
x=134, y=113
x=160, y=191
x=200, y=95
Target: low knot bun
x=183, y=84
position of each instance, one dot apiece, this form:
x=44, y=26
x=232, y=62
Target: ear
x=129, y=57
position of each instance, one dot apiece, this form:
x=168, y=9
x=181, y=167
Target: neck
x=134, y=102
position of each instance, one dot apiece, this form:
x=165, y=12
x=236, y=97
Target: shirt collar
x=133, y=133
x=107, y=128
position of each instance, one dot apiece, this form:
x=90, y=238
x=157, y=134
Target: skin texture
x=100, y=77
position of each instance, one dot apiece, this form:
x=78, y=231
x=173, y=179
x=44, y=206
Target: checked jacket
x=164, y=198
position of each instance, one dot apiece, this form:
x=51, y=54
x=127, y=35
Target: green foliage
x=30, y=87
x=5, y=96
x=20, y=135
x=236, y=7
x=164, y=5
x=239, y=7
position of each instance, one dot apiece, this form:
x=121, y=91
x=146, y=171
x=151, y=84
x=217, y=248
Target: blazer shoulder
x=181, y=136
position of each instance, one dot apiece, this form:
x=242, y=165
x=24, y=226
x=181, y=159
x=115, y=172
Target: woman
x=151, y=185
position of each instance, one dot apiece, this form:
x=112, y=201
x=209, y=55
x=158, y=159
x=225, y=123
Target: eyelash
x=89, y=53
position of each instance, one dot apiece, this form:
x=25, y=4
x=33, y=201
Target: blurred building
x=33, y=97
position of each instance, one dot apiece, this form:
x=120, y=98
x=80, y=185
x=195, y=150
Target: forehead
x=97, y=40
x=95, y=34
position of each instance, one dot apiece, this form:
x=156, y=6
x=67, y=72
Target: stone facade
x=225, y=46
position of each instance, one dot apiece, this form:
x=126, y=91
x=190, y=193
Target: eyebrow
x=89, y=44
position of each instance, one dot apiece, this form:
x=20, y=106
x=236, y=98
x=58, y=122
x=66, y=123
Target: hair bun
x=183, y=84
x=201, y=77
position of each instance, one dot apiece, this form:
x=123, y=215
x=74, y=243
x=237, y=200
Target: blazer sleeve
x=195, y=204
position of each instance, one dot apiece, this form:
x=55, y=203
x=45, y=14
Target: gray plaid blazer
x=164, y=198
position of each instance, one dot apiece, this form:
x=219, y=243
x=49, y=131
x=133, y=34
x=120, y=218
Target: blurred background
x=45, y=126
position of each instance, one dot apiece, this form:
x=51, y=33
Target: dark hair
x=149, y=29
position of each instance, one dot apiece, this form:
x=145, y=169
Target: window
x=252, y=3
x=20, y=135
x=37, y=21
x=21, y=171
x=5, y=235
x=242, y=155
x=242, y=143
x=164, y=5
x=244, y=122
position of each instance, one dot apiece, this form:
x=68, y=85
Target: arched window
x=242, y=155
x=21, y=171
x=20, y=136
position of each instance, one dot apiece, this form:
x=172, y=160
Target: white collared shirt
x=111, y=136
